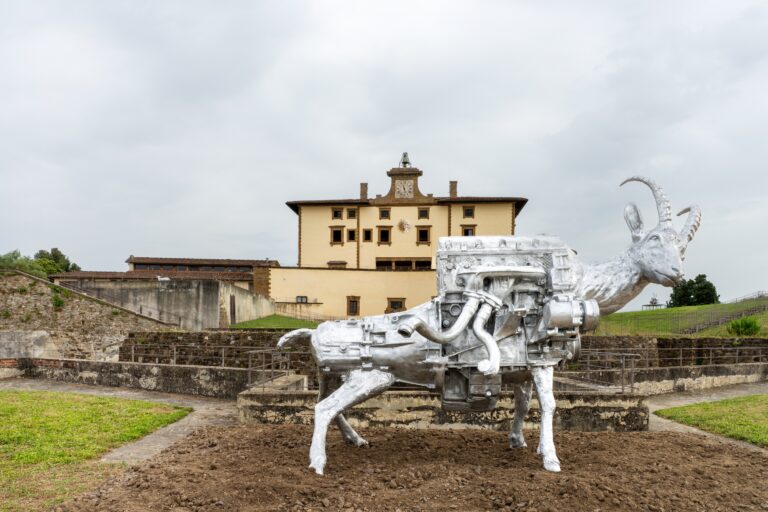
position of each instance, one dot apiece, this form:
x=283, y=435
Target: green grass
x=275, y=322
x=744, y=418
x=675, y=320
x=49, y=440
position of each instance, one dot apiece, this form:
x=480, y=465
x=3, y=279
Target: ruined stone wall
x=421, y=409
x=190, y=380
x=79, y=327
x=214, y=348
x=673, y=351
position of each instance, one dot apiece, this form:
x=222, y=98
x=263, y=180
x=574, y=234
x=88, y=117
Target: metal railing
x=267, y=364
x=601, y=370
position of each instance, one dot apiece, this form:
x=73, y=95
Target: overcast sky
x=180, y=129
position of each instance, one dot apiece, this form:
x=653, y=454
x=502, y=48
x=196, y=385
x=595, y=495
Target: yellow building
x=367, y=256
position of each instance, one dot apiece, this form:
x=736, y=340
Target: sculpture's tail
x=295, y=335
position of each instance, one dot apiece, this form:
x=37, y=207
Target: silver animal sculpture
x=508, y=310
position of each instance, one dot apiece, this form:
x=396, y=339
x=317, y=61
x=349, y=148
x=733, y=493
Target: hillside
x=706, y=320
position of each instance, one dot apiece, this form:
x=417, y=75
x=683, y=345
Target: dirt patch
x=255, y=468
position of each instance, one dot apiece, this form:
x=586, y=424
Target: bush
x=21, y=289
x=57, y=301
x=5, y=314
x=747, y=326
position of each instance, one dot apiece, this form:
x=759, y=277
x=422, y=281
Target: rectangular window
x=395, y=304
x=167, y=267
x=423, y=213
x=301, y=299
x=384, y=213
x=367, y=235
x=351, y=235
x=337, y=235
x=423, y=265
x=468, y=230
x=403, y=264
x=385, y=235
x=469, y=212
x=337, y=213
x=182, y=267
x=351, y=213
x=353, y=306
x=423, y=235
x=141, y=266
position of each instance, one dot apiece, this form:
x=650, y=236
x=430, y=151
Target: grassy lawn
x=275, y=322
x=744, y=418
x=48, y=442
x=674, y=320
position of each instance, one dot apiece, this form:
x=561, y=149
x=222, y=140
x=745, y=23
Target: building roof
x=154, y=274
x=202, y=261
x=519, y=202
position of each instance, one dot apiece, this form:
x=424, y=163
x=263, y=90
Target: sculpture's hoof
x=356, y=441
x=487, y=368
x=552, y=464
x=318, y=465
x=517, y=442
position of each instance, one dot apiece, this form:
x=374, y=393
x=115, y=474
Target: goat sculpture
x=508, y=310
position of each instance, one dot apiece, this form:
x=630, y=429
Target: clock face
x=404, y=189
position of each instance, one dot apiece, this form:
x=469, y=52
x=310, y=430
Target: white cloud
x=180, y=129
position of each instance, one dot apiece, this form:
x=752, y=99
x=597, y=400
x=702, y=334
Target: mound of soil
x=254, y=468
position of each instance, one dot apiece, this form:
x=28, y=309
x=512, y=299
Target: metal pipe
x=414, y=323
x=488, y=366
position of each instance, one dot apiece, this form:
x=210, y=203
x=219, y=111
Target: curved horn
x=691, y=225
x=662, y=203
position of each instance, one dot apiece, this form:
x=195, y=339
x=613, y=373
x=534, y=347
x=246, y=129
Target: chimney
x=363, y=191
x=452, y=188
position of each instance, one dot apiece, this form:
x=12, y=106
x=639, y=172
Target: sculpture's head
x=659, y=252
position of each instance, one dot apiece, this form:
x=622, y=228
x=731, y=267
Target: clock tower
x=404, y=187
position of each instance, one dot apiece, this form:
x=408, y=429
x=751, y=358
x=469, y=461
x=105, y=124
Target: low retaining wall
x=190, y=380
x=668, y=379
x=417, y=409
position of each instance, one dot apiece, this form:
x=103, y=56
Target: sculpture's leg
x=522, y=404
x=543, y=380
x=328, y=386
x=359, y=386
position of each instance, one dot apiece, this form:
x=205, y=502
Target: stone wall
x=192, y=304
x=191, y=380
x=417, y=409
x=81, y=327
x=670, y=379
x=663, y=352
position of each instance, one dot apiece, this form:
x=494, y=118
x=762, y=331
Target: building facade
x=372, y=255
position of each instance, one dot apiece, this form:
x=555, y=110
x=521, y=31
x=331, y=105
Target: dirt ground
x=254, y=468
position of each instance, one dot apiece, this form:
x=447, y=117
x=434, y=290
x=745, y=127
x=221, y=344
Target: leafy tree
x=15, y=260
x=693, y=292
x=55, y=261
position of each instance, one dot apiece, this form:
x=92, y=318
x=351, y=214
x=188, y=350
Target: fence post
x=623, y=369
x=222, y=355
x=737, y=355
x=173, y=361
x=250, y=368
x=681, y=356
x=632, y=375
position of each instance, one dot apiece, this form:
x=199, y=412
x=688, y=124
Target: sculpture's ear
x=634, y=221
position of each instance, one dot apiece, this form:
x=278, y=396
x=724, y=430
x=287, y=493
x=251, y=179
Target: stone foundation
x=421, y=409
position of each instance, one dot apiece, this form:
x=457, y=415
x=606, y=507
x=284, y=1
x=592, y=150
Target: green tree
x=693, y=292
x=55, y=261
x=15, y=260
